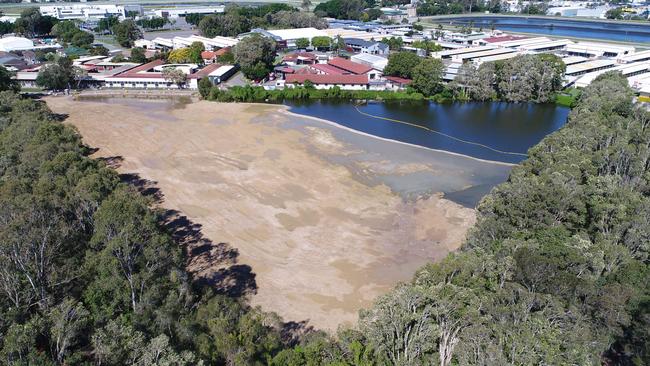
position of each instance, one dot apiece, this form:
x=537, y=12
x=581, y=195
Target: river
x=491, y=131
x=598, y=30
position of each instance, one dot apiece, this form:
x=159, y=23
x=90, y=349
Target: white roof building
x=351, y=33
x=86, y=11
x=586, y=67
x=9, y=44
x=628, y=70
x=597, y=49
x=374, y=61
x=293, y=34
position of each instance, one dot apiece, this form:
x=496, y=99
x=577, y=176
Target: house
x=210, y=57
x=346, y=82
x=354, y=68
x=364, y=46
x=300, y=58
x=215, y=72
x=397, y=83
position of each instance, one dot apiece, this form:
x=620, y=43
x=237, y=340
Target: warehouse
x=545, y=46
x=591, y=49
x=476, y=55
x=635, y=57
x=459, y=51
x=374, y=61
x=505, y=56
x=572, y=60
x=349, y=33
x=628, y=70
x=591, y=66
x=515, y=43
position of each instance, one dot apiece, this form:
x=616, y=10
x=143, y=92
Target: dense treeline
x=87, y=273
x=236, y=20
x=532, y=78
x=556, y=269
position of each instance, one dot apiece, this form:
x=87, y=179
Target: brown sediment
x=321, y=242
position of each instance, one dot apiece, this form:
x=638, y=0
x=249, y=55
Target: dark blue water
x=503, y=126
x=604, y=31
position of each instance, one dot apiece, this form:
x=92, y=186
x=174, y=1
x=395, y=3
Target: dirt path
x=321, y=242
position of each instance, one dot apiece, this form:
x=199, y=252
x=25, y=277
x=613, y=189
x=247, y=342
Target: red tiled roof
x=328, y=69
x=503, y=38
x=399, y=80
x=145, y=67
x=349, y=66
x=328, y=79
x=207, y=55
x=306, y=71
x=287, y=70
x=297, y=55
x=204, y=71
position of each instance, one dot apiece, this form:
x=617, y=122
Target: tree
x=615, y=13
x=180, y=55
x=7, y=82
x=305, y=5
x=229, y=24
x=302, y=43
x=321, y=42
x=83, y=39
x=138, y=55
x=31, y=23
x=255, y=54
x=126, y=32
x=394, y=43
x=402, y=64
x=105, y=25
x=205, y=85
x=195, y=52
x=68, y=321
x=427, y=76
x=57, y=75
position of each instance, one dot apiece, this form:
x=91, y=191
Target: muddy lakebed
x=318, y=218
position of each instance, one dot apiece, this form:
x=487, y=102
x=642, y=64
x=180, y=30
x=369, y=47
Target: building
x=363, y=46
x=150, y=75
x=320, y=81
x=593, y=49
x=350, y=33
x=209, y=44
x=288, y=37
x=177, y=12
x=88, y=11
x=587, y=67
x=635, y=57
x=300, y=58
x=374, y=61
x=545, y=46
x=470, y=56
x=354, y=68
x=447, y=54
x=210, y=57
x=628, y=70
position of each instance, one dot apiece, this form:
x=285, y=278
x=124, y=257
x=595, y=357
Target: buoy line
x=439, y=133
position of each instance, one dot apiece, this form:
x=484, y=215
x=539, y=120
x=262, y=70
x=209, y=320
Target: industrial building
x=465, y=57
x=592, y=49
x=635, y=57
x=545, y=46
x=590, y=66
x=11, y=44
x=88, y=11
x=374, y=61
x=628, y=70
x=177, y=12
x=447, y=54
x=348, y=33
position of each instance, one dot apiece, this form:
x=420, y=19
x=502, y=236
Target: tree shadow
x=110, y=161
x=293, y=332
x=211, y=264
x=146, y=187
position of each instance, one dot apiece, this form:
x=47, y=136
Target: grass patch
x=568, y=98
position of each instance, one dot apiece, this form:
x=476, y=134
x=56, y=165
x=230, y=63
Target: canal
x=485, y=130
x=598, y=30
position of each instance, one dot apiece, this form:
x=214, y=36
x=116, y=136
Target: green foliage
x=259, y=94
x=255, y=55
x=31, y=23
x=138, y=55
x=402, y=64
x=6, y=27
x=152, y=23
x=195, y=52
x=126, y=32
x=204, y=87
x=57, y=75
x=344, y=9
x=6, y=81
x=107, y=24
x=427, y=76
x=321, y=42
x=526, y=78
x=302, y=43
x=394, y=43
x=89, y=275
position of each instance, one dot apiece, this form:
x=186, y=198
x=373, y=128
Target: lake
x=485, y=130
x=604, y=31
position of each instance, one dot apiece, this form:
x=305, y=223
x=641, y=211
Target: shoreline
x=282, y=108
x=285, y=109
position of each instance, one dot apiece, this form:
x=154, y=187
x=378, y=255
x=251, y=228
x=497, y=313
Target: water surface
x=599, y=30
x=507, y=130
